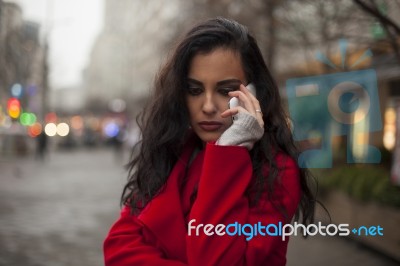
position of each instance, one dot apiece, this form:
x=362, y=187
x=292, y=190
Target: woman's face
x=211, y=76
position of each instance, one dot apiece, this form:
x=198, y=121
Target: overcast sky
x=72, y=26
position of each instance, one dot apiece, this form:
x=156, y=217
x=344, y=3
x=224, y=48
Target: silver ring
x=258, y=110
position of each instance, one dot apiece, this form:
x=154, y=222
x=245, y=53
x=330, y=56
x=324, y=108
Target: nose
x=209, y=105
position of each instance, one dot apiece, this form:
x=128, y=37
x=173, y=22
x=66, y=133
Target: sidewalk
x=58, y=212
x=332, y=251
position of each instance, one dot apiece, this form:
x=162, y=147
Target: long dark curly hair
x=164, y=122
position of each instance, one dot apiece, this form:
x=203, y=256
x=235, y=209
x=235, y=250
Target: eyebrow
x=219, y=83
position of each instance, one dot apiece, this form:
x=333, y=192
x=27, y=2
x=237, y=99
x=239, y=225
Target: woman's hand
x=250, y=105
x=248, y=125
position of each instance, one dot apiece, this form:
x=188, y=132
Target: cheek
x=222, y=107
x=222, y=103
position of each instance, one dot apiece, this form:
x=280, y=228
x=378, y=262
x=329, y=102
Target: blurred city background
x=75, y=74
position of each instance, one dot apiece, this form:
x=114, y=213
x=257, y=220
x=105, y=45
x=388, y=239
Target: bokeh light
x=111, y=129
x=77, y=122
x=35, y=130
x=16, y=90
x=389, y=129
x=62, y=129
x=117, y=105
x=13, y=108
x=6, y=123
x=27, y=119
x=32, y=90
x=50, y=118
x=50, y=129
x=94, y=123
x=2, y=116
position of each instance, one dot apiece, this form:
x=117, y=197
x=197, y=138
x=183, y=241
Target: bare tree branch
x=391, y=28
x=374, y=11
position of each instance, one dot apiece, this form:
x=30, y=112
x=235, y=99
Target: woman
x=203, y=166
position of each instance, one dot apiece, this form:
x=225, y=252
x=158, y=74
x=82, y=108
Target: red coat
x=159, y=234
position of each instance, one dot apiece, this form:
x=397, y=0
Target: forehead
x=219, y=63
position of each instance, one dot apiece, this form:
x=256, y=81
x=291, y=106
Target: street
x=57, y=213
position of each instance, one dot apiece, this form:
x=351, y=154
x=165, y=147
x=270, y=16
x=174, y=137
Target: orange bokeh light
x=77, y=122
x=35, y=130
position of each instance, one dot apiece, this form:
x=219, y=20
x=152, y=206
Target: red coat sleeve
x=221, y=199
x=128, y=244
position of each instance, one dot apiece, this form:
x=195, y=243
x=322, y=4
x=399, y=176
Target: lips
x=210, y=125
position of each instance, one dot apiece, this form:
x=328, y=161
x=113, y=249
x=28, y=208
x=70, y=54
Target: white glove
x=245, y=131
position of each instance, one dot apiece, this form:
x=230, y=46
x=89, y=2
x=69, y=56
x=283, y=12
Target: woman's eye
x=194, y=90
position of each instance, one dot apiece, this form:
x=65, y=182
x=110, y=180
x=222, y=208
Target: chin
x=209, y=137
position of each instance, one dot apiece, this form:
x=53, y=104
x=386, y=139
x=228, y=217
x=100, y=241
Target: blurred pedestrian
x=202, y=166
x=41, y=146
x=117, y=142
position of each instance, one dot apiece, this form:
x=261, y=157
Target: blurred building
x=128, y=51
x=67, y=100
x=23, y=59
x=23, y=70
